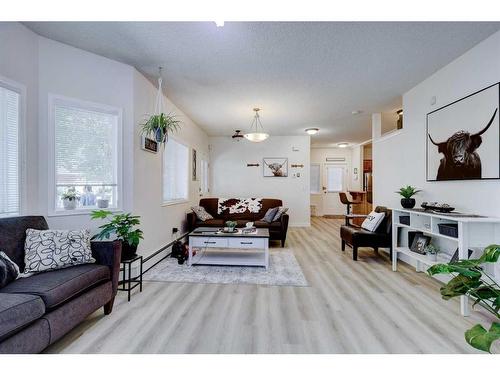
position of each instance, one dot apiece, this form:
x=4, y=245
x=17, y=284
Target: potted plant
x=69, y=198
x=407, y=193
x=231, y=225
x=431, y=252
x=158, y=126
x=470, y=279
x=122, y=226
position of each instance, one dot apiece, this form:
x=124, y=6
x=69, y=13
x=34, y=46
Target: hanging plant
x=159, y=125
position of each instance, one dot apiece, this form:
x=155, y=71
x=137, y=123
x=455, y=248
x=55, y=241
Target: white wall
x=47, y=67
x=158, y=220
x=232, y=178
x=400, y=159
x=318, y=156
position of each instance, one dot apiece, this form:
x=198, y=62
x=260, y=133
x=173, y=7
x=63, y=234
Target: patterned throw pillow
x=201, y=213
x=8, y=270
x=372, y=221
x=270, y=214
x=281, y=211
x=47, y=250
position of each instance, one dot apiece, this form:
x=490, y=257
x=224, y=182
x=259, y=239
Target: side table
x=128, y=283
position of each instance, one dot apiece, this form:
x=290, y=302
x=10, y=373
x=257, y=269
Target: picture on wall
x=194, y=165
x=463, y=138
x=275, y=167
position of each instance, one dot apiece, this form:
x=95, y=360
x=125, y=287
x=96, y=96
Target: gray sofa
x=38, y=310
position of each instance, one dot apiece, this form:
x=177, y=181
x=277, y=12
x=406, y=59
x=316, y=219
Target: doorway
x=334, y=182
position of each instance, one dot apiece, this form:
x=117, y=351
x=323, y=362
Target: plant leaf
x=459, y=286
x=457, y=267
x=481, y=339
x=491, y=254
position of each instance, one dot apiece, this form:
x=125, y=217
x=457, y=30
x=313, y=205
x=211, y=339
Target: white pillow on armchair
x=373, y=220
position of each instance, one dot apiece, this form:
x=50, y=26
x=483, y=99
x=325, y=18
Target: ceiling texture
x=302, y=74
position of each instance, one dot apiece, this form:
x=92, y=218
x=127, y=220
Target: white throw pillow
x=46, y=250
x=201, y=213
x=373, y=220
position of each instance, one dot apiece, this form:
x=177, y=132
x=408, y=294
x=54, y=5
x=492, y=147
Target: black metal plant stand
x=128, y=283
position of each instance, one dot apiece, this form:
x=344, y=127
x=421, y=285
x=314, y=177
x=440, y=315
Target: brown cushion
x=56, y=287
x=17, y=311
x=218, y=223
x=263, y=224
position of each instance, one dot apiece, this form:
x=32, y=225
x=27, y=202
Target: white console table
x=474, y=233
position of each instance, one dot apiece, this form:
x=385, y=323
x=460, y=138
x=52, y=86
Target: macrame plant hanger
x=159, y=105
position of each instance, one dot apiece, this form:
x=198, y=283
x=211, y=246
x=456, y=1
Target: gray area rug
x=283, y=270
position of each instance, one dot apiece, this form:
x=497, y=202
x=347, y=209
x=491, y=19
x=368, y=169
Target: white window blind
x=204, y=176
x=315, y=179
x=175, y=171
x=86, y=153
x=334, y=178
x=9, y=152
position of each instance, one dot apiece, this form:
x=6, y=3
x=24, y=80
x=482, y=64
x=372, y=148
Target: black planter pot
x=408, y=202
x=128, y=251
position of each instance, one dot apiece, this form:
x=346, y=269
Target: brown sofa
x=38, y=310
x=356, y=236
x=277, y=229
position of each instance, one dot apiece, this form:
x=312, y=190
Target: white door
x=334, y=181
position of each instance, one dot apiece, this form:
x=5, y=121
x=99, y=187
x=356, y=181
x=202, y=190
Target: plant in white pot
x=70, y=198
x=431, y=252
x=159, y=125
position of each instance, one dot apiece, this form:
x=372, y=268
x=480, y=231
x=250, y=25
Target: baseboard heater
x=335, y=159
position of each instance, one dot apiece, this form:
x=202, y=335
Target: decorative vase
x=69, y=204
x=128, y=251
x=408, y=202
x=103, y=203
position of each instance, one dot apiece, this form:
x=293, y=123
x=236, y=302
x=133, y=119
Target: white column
x=376, y=126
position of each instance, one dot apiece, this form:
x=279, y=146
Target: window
x=87, y=156
x=334, y=178
x=9, y=151
x=315, y=179
x=175, y=172
x=204, y=176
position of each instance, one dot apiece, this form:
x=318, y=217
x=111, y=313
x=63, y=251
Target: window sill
x=174, y=202
x=80, y=212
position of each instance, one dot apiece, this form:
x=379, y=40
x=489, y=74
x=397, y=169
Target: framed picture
x=420, y=241
x=194, y=165
x=454, y=258
x=275, y=167
x=463, y=138
x=148, y=144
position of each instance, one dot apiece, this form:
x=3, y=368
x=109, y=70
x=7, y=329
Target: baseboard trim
x=333, y=216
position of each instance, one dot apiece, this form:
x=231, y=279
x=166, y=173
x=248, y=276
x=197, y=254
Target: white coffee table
x=229, y=249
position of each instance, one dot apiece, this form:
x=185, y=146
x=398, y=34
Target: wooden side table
x=128, y=283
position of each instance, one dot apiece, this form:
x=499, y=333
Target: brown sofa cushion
x=17, y=311
x=211, y=204
x=56, y=287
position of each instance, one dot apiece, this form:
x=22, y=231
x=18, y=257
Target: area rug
x=283, y=270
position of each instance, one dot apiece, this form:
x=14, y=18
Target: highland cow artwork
x=463, y=138
x=275, y=167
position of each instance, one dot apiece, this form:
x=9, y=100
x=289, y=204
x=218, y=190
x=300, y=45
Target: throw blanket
x=239, y=205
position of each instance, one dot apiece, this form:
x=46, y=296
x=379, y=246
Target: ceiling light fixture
x=356, y=112
x=342, y=144
x=311, y=131
x=256, y=133
x=219, y=23
x=237, y=135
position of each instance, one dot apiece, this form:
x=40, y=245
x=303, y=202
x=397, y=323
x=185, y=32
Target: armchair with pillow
x=375, y=232
x=38, y=309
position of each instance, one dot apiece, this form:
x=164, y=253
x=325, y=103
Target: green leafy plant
x=408, y=191
x=231, y=224
x=121, y=225
x=70, y=195
x=159, y=126
x=469, y=279
x=432, y=249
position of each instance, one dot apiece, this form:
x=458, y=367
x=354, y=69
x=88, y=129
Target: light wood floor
x=350, y=307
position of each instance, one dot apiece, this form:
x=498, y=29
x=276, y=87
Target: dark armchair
x=356, y=237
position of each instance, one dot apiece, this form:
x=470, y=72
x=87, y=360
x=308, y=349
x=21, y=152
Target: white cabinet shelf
x=474, y=232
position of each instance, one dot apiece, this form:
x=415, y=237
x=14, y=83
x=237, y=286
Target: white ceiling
x=301, y=74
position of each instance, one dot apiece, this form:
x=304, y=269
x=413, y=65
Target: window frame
x=172, y=202
x=343, y=167
x=20, y=89
x=52, y=183
x=320, y=175
x=205, y=177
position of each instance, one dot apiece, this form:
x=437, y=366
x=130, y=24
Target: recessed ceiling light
x=356, y=112
x=342, y=144
x=219, y=23
x=311, y=131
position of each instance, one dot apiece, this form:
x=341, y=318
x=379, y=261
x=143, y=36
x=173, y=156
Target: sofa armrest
x=108, y=253
x=191, y=221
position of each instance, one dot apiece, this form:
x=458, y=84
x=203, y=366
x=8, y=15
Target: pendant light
x=256, y=133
